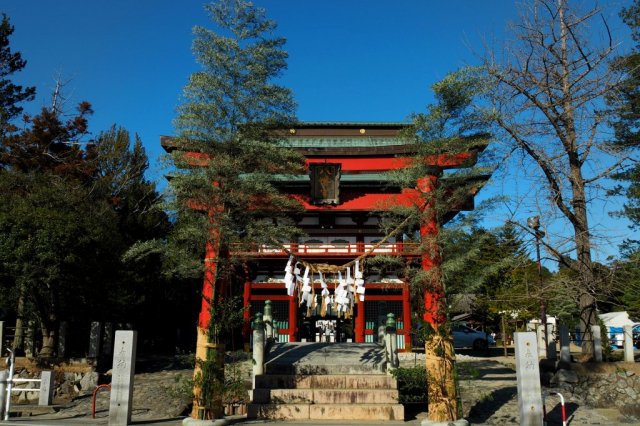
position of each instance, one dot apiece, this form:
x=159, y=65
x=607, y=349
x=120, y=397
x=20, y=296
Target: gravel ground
x=488, y=390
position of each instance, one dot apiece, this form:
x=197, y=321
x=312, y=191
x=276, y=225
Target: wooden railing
x=347, y=249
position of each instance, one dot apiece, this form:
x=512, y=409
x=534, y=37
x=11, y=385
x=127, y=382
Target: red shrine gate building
x=343, y=193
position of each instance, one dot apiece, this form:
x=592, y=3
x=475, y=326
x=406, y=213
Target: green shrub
x=412, y=384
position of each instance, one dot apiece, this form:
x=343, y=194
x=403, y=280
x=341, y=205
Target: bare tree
x=547, y=100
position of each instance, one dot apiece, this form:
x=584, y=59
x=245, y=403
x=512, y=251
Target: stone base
x=461, y=422
x=195, y=422
x=278, y=411
x=326, y=411
x=356, y=412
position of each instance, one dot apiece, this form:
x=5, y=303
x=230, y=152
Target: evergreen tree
x=226, y=147
x=56, y=243
x=11, y=95
x=226, y=154
x=50, y=144
x=449, y=132
x=625, y=105
x=227, y=126
x=69, y=210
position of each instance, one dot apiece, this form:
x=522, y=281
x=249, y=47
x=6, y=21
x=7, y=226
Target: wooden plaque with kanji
x=325, y=183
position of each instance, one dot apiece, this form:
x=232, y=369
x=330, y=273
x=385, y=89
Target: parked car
x=463, y=337
x=466, y=337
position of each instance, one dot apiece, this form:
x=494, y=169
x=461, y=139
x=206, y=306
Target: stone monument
x=528, y=376
x=124, y=365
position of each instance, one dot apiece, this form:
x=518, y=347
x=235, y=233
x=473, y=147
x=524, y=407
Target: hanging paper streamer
x=306, y=288
x=359, y=281
x=349, y=288
x=289, y=282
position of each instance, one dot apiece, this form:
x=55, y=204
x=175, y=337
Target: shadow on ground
x=491, y=403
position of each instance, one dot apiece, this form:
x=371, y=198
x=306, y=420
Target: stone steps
x=326, y=411
x=325, y=382
x=325, y=396
x=329, y=381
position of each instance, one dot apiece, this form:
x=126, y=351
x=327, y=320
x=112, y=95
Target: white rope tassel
x=341, y=282
x=323, y=283
x=289, y=282
x=349, y=280
x=359, y=281
x=306, y=288
x=343, y=292
x=358, y=272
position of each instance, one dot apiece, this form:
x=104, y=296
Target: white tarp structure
x=615, y=321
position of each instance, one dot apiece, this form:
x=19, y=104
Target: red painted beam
x=270, y=297
x=356, y=201
x=363, y=164
x=376, y=163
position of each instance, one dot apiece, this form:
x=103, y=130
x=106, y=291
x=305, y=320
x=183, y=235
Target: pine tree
x=69, y=209
x=227, y=146
x=625, y=105
x=448, y=133
x=11, y=95
x=226, y=154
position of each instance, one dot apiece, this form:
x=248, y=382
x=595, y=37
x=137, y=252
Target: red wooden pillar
x=293, y=316
x=208, y=294
x=210, y=269
x=246, y=315
x=406, y=315
x=359, y=325
x=434, y=313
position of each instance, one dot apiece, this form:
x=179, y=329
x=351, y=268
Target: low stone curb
x=461, y=422
x=194, y=422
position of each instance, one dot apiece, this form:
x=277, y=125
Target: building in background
x=343, y=194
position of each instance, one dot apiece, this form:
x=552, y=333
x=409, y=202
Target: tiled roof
x=340, y=142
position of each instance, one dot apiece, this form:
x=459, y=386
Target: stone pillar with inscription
x=542, y=341
x=597, y=343
x=552, y=349
x=528, y=376
x=124, y=365
x=63, y=335
x=3, y=391
x=95, y=336
x=628, y=343
x=107, y=339
x=46, y=388
x=565, y=349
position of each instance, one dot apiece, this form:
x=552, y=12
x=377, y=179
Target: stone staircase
x=325, y=381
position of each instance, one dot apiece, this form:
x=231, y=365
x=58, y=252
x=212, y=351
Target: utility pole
x=534, y=223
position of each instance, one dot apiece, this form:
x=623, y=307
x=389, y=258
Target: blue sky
x=350, y=60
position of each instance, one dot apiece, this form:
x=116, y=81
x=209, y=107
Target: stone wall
x=71, y=379
x=602, y=385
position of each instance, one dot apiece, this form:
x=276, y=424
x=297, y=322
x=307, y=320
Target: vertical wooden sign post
x=528, y=375
x=124, y=366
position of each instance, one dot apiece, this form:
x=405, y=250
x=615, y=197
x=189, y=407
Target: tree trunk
x=442, y=392
x=49, y=338
x=579, y=220
x=586, y=284
x=441, y=383
x=18, y=337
